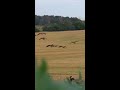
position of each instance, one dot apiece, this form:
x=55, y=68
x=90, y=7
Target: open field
x=62, y=62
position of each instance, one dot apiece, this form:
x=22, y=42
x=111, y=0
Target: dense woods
x=58, y=23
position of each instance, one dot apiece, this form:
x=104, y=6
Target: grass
x=62, y=62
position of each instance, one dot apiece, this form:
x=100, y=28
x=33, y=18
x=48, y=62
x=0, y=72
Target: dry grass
x=62, y=62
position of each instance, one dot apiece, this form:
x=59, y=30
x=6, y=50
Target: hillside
x=58, y=23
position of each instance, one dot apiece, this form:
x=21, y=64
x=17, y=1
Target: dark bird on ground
x=74, y=42
x=78, y=81
x=48, y=45
x=71, y=79
x=60, y=46
x=42, y=38
x=64, y=46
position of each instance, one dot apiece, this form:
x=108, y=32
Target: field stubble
x=62, y=62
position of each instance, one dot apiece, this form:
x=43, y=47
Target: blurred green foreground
x=43, y=81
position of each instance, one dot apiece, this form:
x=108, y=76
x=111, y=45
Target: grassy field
x=62, y=62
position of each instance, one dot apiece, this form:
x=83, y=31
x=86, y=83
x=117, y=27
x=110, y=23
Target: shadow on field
x=43, y=81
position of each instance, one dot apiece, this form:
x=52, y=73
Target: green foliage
x=80, y=76
x=79, y=25
x=54, y=27
x=58, y=23
x=36, y=30
x=44, y=82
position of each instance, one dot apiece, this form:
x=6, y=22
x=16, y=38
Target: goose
x=71, y=79
x=78, y=81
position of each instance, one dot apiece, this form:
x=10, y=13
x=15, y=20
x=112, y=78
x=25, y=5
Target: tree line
x=59, y=23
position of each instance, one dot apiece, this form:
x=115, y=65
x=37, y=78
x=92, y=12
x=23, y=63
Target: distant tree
x=37, y=20
x=59, y=23
x=53, y=27
x=79, y=25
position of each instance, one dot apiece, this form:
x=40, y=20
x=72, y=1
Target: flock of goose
x=52, y=45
